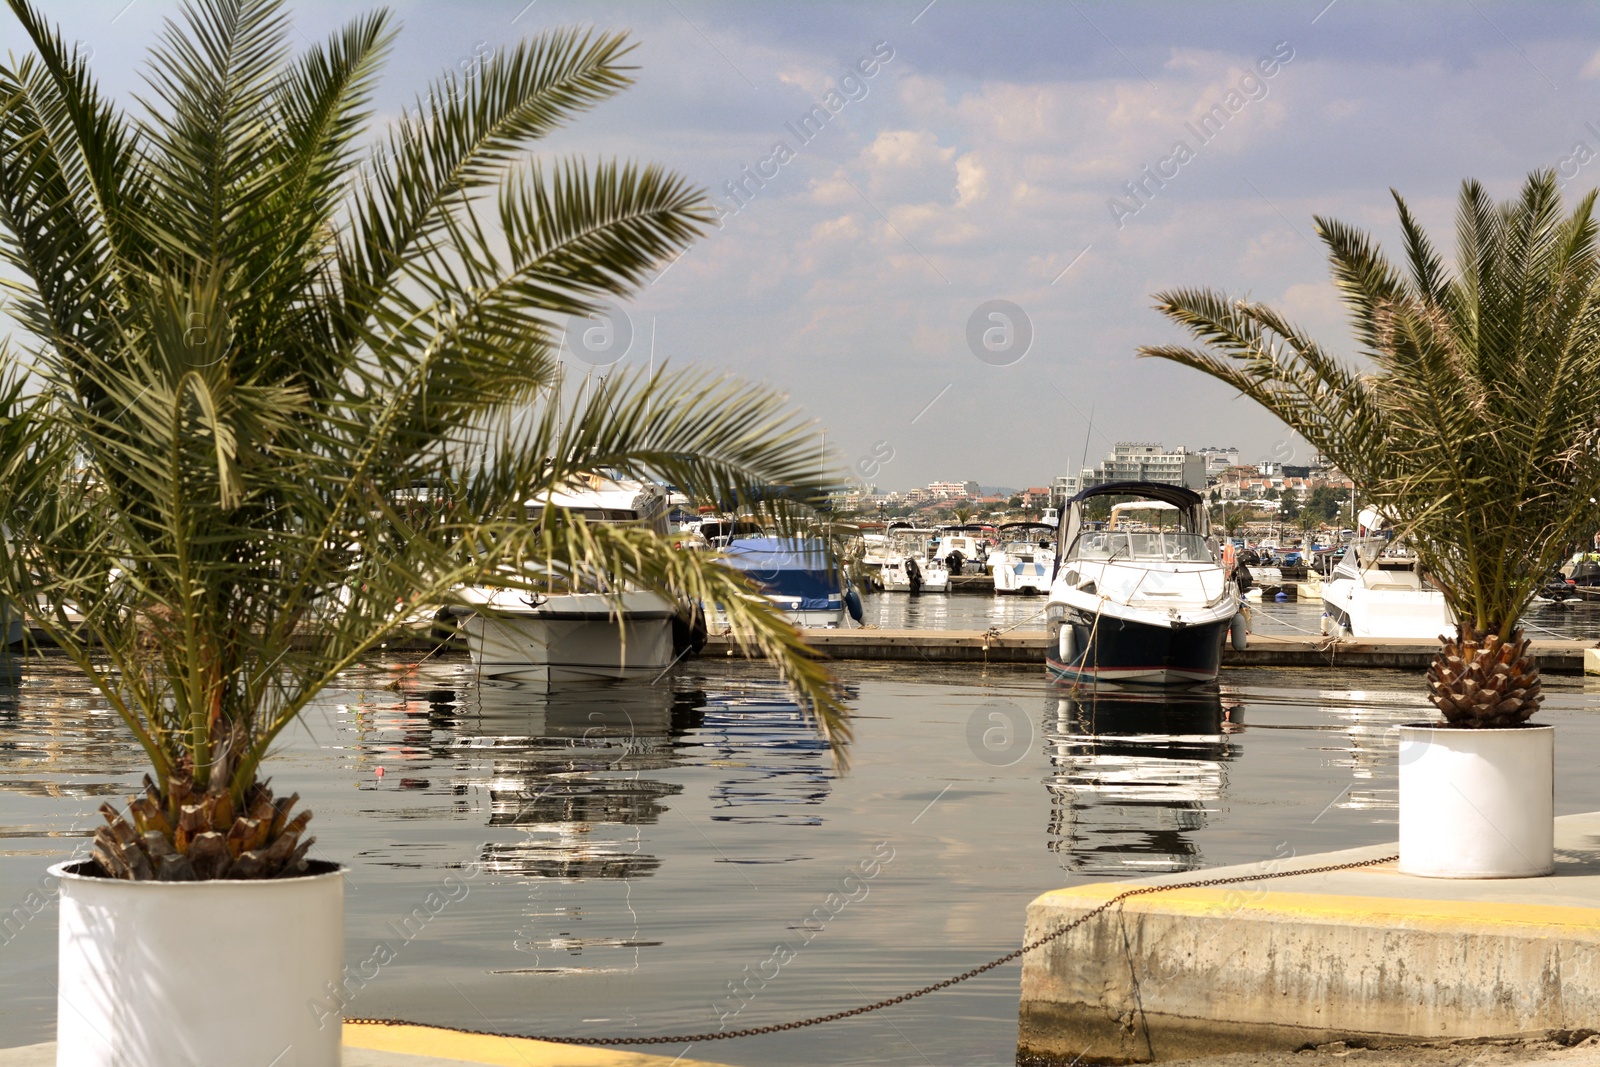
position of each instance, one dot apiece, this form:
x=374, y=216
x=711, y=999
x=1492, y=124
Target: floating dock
x=1364, y=956
x=1266, y=650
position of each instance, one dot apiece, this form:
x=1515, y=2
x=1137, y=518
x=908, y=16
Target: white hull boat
x=584, y=634
x=1377, y=590
x=931, y=575
x=1022, y=566
x=569, y=637
x=910, y=564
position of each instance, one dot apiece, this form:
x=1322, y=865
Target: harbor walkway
x=1367, y=955
x=370, y=1045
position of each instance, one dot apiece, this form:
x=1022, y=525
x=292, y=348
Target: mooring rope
x=878, y=1005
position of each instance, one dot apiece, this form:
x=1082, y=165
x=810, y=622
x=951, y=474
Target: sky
x=952, y=265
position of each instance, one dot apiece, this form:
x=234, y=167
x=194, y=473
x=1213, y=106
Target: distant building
x=1063, y=489
x=1138, y=461
x=1218, y=459
x=947, y=490
x=1037, y=497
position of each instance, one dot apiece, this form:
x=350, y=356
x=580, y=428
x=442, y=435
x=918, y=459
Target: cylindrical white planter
x=1477, y=803
x=199, y=974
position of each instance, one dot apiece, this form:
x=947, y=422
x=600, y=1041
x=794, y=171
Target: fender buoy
x=852, y=603
x=1065, y=644
x=1239, y=633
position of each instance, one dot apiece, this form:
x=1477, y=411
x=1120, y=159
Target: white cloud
x=906, y=149
x=972, y=181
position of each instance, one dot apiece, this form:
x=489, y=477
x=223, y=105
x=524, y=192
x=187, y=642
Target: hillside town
x=1267, y=490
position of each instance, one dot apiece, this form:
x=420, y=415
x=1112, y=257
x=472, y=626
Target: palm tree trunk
x=1478, y=680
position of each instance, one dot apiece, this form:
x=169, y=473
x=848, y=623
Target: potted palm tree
x=1473, y=423
x=248, y=343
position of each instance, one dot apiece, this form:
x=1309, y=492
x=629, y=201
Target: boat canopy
x=1191, y=506
x=788, y=567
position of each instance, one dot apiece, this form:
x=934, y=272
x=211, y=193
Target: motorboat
x=910, y=565
x=1582, y=573
x=875, y=550
x=959, y=546
x=1379, y=589
x=797, y=575
x=908, y=574
x=1025, y=560
x=1137, y=603
x=550, y=631
x=718, y=531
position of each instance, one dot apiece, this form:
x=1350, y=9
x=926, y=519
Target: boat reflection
x=565, y=766
x=1134, y=776
x=778, y=769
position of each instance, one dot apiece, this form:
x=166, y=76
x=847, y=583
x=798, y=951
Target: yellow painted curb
x=1400, y=912
x=496, y=1051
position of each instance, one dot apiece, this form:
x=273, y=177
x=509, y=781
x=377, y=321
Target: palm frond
x=1476, y=431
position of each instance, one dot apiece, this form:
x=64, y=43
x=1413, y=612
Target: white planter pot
x=1477, y=803
x=199, y=974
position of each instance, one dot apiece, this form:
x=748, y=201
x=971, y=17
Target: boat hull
x=1418, y=614
x=931, y=579
x=574, y=638
x=1138, y=653
x=1022, y=579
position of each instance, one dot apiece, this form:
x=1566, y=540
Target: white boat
x=961, y=547
x=907, y=574
x=1148, y=606
x=875, y=551
x=1025, y=560
x=563, y=634
x=1378, y=589
x=910, y=566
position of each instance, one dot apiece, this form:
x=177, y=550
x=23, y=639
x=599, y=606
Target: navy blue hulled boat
x=1141, y=602
x=795, y=574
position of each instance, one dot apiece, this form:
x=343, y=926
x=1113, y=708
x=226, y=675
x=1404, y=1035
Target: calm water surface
x=616, y=858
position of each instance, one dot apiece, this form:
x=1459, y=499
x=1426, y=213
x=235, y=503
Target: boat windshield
x=1024, y=547
x=1166, y=545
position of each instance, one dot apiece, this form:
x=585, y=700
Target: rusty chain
x=817, y=1020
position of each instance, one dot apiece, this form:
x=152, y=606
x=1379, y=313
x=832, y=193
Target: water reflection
x=779, y=771
x=566, y=766
x=1134, y=776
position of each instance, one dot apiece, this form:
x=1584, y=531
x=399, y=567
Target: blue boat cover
x=788, y=567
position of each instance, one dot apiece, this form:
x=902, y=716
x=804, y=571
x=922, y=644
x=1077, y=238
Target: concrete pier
x=379, y=1045
x=1367, y=955
x=1027, y=646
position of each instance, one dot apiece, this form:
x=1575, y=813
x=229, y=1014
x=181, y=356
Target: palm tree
x=1475, y=428
x=252, y=340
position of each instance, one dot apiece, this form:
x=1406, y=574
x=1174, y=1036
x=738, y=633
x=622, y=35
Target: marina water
x=683, y=857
